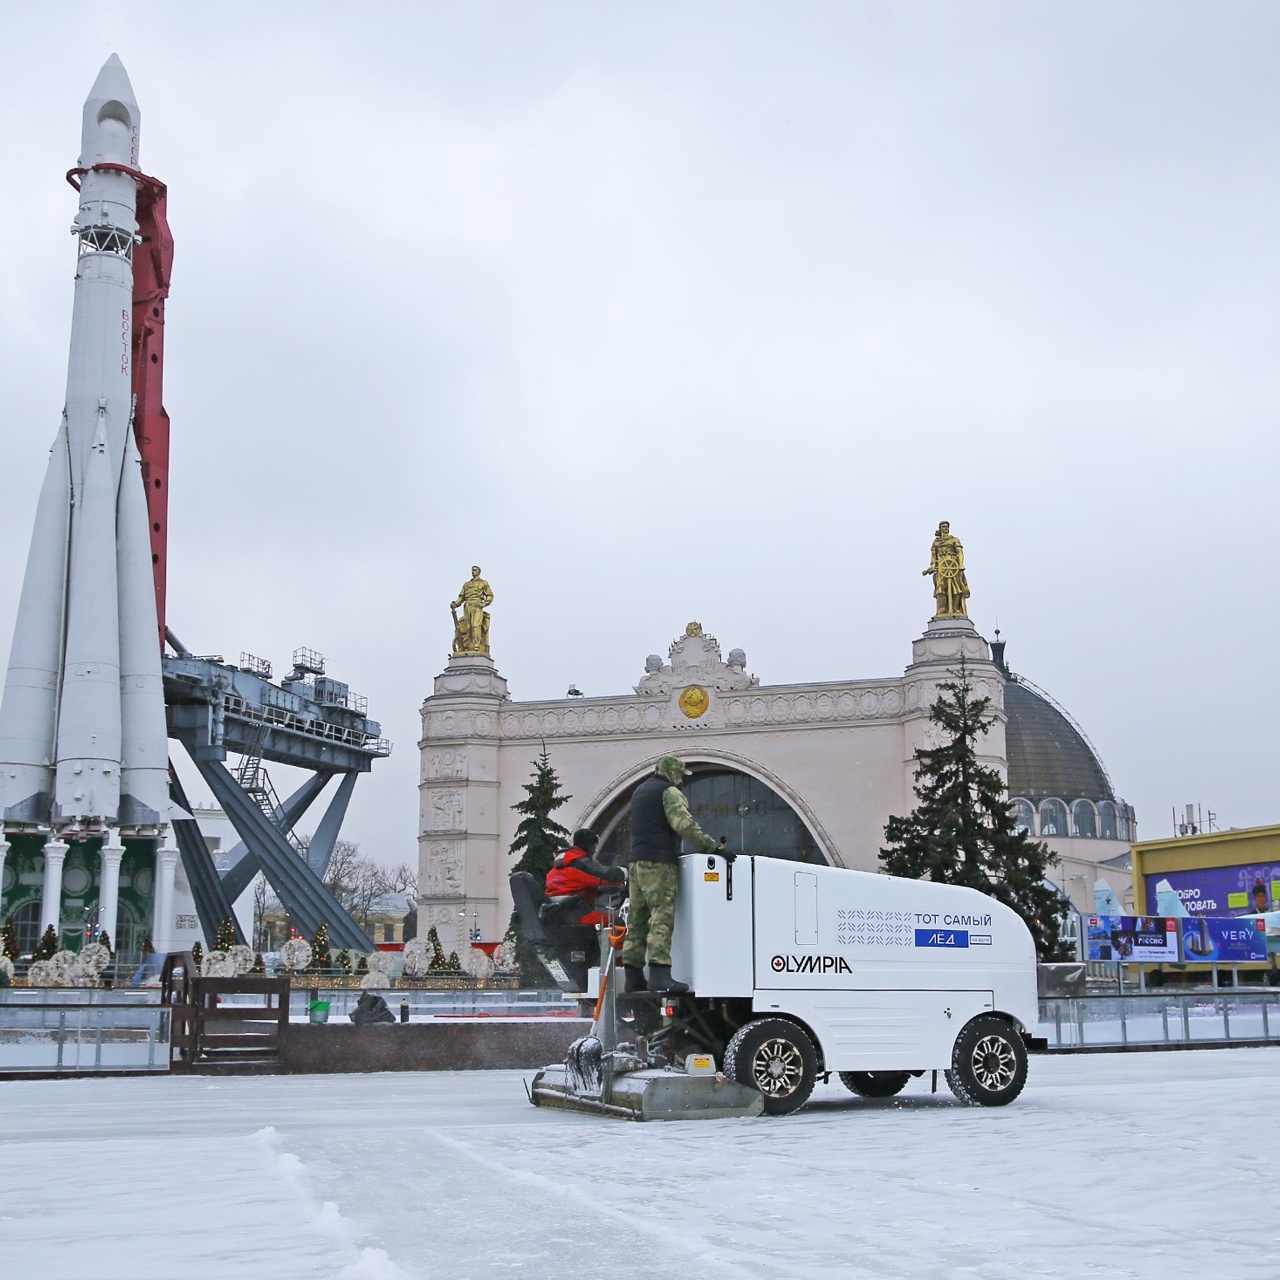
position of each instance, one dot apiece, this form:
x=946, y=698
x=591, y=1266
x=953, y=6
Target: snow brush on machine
x=798, y=972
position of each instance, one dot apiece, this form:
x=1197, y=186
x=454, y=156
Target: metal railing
x=1161, y=1019
x=44, y=1030
x=461, y=1003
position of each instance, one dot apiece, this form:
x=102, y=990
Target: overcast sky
x=672, y=311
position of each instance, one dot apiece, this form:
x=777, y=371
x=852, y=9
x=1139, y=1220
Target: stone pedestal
x=459, y=859
x=935, y=660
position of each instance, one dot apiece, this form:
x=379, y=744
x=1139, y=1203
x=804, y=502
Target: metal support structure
x=300, y=890
x=213, y=903
x=320, y=850
x=237, y=878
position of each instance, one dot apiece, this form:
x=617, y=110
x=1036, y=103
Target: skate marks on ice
x=324, y=1219
x=1087, y=1174
x=169, y=1201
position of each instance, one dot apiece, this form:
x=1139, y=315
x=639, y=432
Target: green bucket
x=318, y=1011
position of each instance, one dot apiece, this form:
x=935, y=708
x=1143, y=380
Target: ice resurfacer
x=796, y=971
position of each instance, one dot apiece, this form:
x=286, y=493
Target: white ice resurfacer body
x=797, y=971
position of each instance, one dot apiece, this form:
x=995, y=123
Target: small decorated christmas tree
x=453, y=964
x=9, y=940
x=104, y=939
x=321, y=960
x=226, y=938
x=197, y=953
x=148, y=947
x=258, y=965
x=48, y=945
x=363, y=967
x=438, y=963
x=343, y=961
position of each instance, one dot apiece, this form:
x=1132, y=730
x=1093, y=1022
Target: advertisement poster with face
x=1219, y=941
x=1221, y=891
x=1133, y=939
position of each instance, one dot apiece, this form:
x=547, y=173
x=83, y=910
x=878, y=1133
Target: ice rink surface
x=1117, y=1166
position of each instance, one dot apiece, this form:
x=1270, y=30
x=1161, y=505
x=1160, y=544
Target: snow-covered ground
x=1116, y=1166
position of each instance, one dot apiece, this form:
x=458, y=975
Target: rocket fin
x=29, y=710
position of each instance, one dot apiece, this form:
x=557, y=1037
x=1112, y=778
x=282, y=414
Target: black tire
x=875, y=1084
x=776, y=1057
x=988, y=1063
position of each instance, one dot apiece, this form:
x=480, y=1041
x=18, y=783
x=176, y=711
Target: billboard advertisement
x=1218, y=941
x=1133, y=939
x=1221, y=891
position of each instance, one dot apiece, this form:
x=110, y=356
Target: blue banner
x=1213, y=940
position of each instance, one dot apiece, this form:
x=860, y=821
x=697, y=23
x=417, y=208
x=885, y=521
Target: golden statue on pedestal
x=471, y=630
x=946, y=563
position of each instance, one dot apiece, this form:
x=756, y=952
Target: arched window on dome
x=1107, y=820
x=1084, y=822
x=1024, y=816
x=1124, y=822
x=1053, y=818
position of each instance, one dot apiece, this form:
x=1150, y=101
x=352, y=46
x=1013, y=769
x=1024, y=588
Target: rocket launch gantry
x=83, y=724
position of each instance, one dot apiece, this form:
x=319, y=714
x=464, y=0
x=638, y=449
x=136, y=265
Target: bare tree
x=358, y=882
x=264, y=902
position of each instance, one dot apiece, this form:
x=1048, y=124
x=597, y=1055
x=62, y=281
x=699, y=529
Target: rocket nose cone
x=111, y=118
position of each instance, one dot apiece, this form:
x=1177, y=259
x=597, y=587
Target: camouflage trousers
x=652, y=913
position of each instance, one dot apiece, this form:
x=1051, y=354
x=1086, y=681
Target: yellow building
x=1221, y=873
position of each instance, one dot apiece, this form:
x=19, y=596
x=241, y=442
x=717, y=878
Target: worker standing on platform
x=660, y=819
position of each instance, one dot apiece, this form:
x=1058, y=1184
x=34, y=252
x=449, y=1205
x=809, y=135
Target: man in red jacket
x=576, y=872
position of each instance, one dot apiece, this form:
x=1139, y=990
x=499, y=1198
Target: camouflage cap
x=672, y=769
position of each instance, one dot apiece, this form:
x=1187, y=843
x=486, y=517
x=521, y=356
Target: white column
x=109, y=886
x=4, y=853
x=55, y=854
x=162, y=918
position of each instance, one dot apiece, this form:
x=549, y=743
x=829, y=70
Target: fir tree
x=438, y=963
x=539, y=837
x=321, y=960
x=226, y=938
x=453, y=964
x=363, y=967
x=47, y=945
x=343, y=961
x=9, y=940
x=259, y=965
x=148, y=947
x=104, y=939
x=197, y=953
x=962, y=829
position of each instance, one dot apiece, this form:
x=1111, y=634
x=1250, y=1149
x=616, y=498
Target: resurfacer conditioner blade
x=654, y=1094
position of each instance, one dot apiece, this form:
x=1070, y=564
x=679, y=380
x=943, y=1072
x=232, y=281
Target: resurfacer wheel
x=875, y=1084
x=988, y=1063
x=776, y=1057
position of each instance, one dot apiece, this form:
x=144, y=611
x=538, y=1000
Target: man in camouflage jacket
x=660, y=819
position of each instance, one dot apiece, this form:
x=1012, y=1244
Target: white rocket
x=82, y=725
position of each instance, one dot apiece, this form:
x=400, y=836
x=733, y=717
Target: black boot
x=633, y=979
x=660, y=979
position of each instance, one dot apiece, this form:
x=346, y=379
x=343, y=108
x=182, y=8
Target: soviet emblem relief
x=694, y=701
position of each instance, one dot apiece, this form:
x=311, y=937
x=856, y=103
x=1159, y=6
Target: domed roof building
x=1058, y=786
